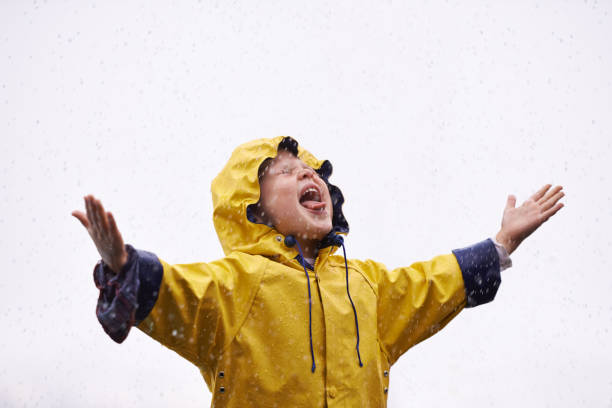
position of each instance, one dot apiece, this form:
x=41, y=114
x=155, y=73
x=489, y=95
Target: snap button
x=332, y=392
x=279, y=238
x=386, y=390
x=222, y=389
x=221, y=374
x=386, y=373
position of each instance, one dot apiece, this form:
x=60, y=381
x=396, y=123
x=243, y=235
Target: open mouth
x=310, y=198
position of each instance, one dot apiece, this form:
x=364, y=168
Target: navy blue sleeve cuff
x=479, y=265
x=150, y=273
x=127, y=298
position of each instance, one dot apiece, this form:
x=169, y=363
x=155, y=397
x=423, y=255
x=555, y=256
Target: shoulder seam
x=247, y=311
x=372, y=286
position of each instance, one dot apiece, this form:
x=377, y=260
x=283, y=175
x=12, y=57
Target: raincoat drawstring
x=336, y=239
x=290, y=241
x=340, y=240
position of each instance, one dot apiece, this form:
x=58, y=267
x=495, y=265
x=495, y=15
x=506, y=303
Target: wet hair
x=263, y=169
x=288, y=144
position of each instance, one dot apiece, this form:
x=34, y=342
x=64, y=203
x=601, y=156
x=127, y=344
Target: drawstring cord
x=352, y=304
x=337, y=239
x=291, y=240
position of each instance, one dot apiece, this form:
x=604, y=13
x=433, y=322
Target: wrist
x=119, y=262
x=508, y=243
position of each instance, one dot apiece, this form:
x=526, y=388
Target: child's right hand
x=103, y=230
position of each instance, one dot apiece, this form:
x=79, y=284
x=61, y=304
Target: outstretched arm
x=520, y=222
x=194, y=309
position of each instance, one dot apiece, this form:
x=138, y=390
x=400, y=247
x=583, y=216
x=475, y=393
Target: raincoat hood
x=237, y=187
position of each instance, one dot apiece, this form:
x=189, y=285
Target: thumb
x=511, y=201
x=81, y=217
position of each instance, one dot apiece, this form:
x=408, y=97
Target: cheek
x=278, y=199
x=331, y=206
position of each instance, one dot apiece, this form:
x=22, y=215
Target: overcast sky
x=431, y=113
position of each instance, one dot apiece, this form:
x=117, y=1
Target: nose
x=306, y=172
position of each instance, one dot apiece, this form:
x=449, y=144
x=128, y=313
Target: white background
x=431, y=112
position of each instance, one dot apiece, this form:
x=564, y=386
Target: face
x=295, y=199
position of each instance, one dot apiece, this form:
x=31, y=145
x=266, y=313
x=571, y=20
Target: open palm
x=519, y=222
x=103, y=231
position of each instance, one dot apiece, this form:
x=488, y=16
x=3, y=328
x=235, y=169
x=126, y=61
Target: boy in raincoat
x=285, y=319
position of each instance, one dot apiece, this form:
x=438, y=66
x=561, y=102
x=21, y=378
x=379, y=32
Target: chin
x=306, y=226
x=319, y=232
x=311, y=231
x=317, y=225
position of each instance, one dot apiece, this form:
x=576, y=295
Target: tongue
x=313, y=205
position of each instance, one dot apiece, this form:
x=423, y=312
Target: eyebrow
x=293, y=163
x=271, y=163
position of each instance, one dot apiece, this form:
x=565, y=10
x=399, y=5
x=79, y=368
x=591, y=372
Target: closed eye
x=292, y=169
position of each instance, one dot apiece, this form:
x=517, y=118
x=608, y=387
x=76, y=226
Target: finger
x=546, y=215
x=79, y=215
x=540, y=193
x=90, y=212
x=102, y=215
x=114, y=230
x=96, y=215
x=511, y=201
x=546, y=205
x=550, y=194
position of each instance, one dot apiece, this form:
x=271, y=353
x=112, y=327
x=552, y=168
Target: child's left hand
x=519, y=223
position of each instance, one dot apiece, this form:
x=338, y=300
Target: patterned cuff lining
x=127, y=298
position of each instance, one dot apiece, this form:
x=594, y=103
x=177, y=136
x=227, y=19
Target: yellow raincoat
x=244, y=320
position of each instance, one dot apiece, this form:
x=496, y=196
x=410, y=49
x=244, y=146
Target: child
x=282, y=320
